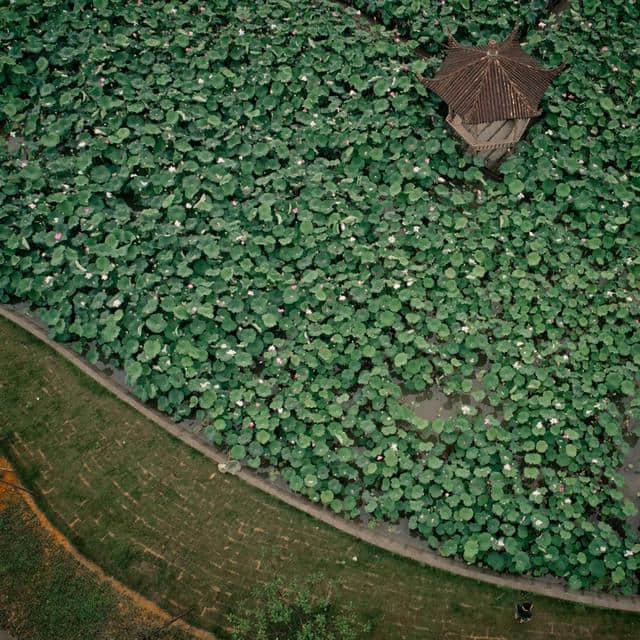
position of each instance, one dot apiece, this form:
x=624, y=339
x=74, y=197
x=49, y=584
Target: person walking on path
x=524, y=611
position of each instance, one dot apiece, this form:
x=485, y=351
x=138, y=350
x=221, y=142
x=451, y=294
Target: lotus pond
x=258, y=212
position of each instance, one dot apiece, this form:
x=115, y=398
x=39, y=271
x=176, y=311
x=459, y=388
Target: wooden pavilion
x=492, y=93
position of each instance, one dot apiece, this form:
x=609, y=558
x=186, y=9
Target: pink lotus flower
x=295, y=209
x=294, y=286
x=58, y=236
x=252, y=424
x=189, y=286
x=281, y=309
x=560, y=489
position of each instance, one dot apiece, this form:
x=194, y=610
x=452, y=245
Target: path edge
x=376, y=538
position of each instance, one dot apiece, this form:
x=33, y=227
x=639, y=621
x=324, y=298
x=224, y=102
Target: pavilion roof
x=496, y=82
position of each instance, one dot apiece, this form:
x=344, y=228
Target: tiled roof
x=496, y=82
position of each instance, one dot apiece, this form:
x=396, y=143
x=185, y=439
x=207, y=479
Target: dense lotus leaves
x=258, y=212
x=426, y=21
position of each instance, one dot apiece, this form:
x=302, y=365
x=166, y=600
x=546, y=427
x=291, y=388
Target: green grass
x=160, y=517
x=45, y=594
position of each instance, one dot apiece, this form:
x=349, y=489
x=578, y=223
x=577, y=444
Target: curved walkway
x=377, y=537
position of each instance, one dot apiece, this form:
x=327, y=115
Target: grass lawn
x=45, y=594
x=161, y=518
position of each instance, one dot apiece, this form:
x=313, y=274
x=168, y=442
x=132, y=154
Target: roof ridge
x=515, y=87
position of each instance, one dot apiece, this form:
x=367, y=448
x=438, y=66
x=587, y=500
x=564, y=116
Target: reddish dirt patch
x=8, y=479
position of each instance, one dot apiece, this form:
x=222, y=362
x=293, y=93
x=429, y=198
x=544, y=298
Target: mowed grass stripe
x=160, y=517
